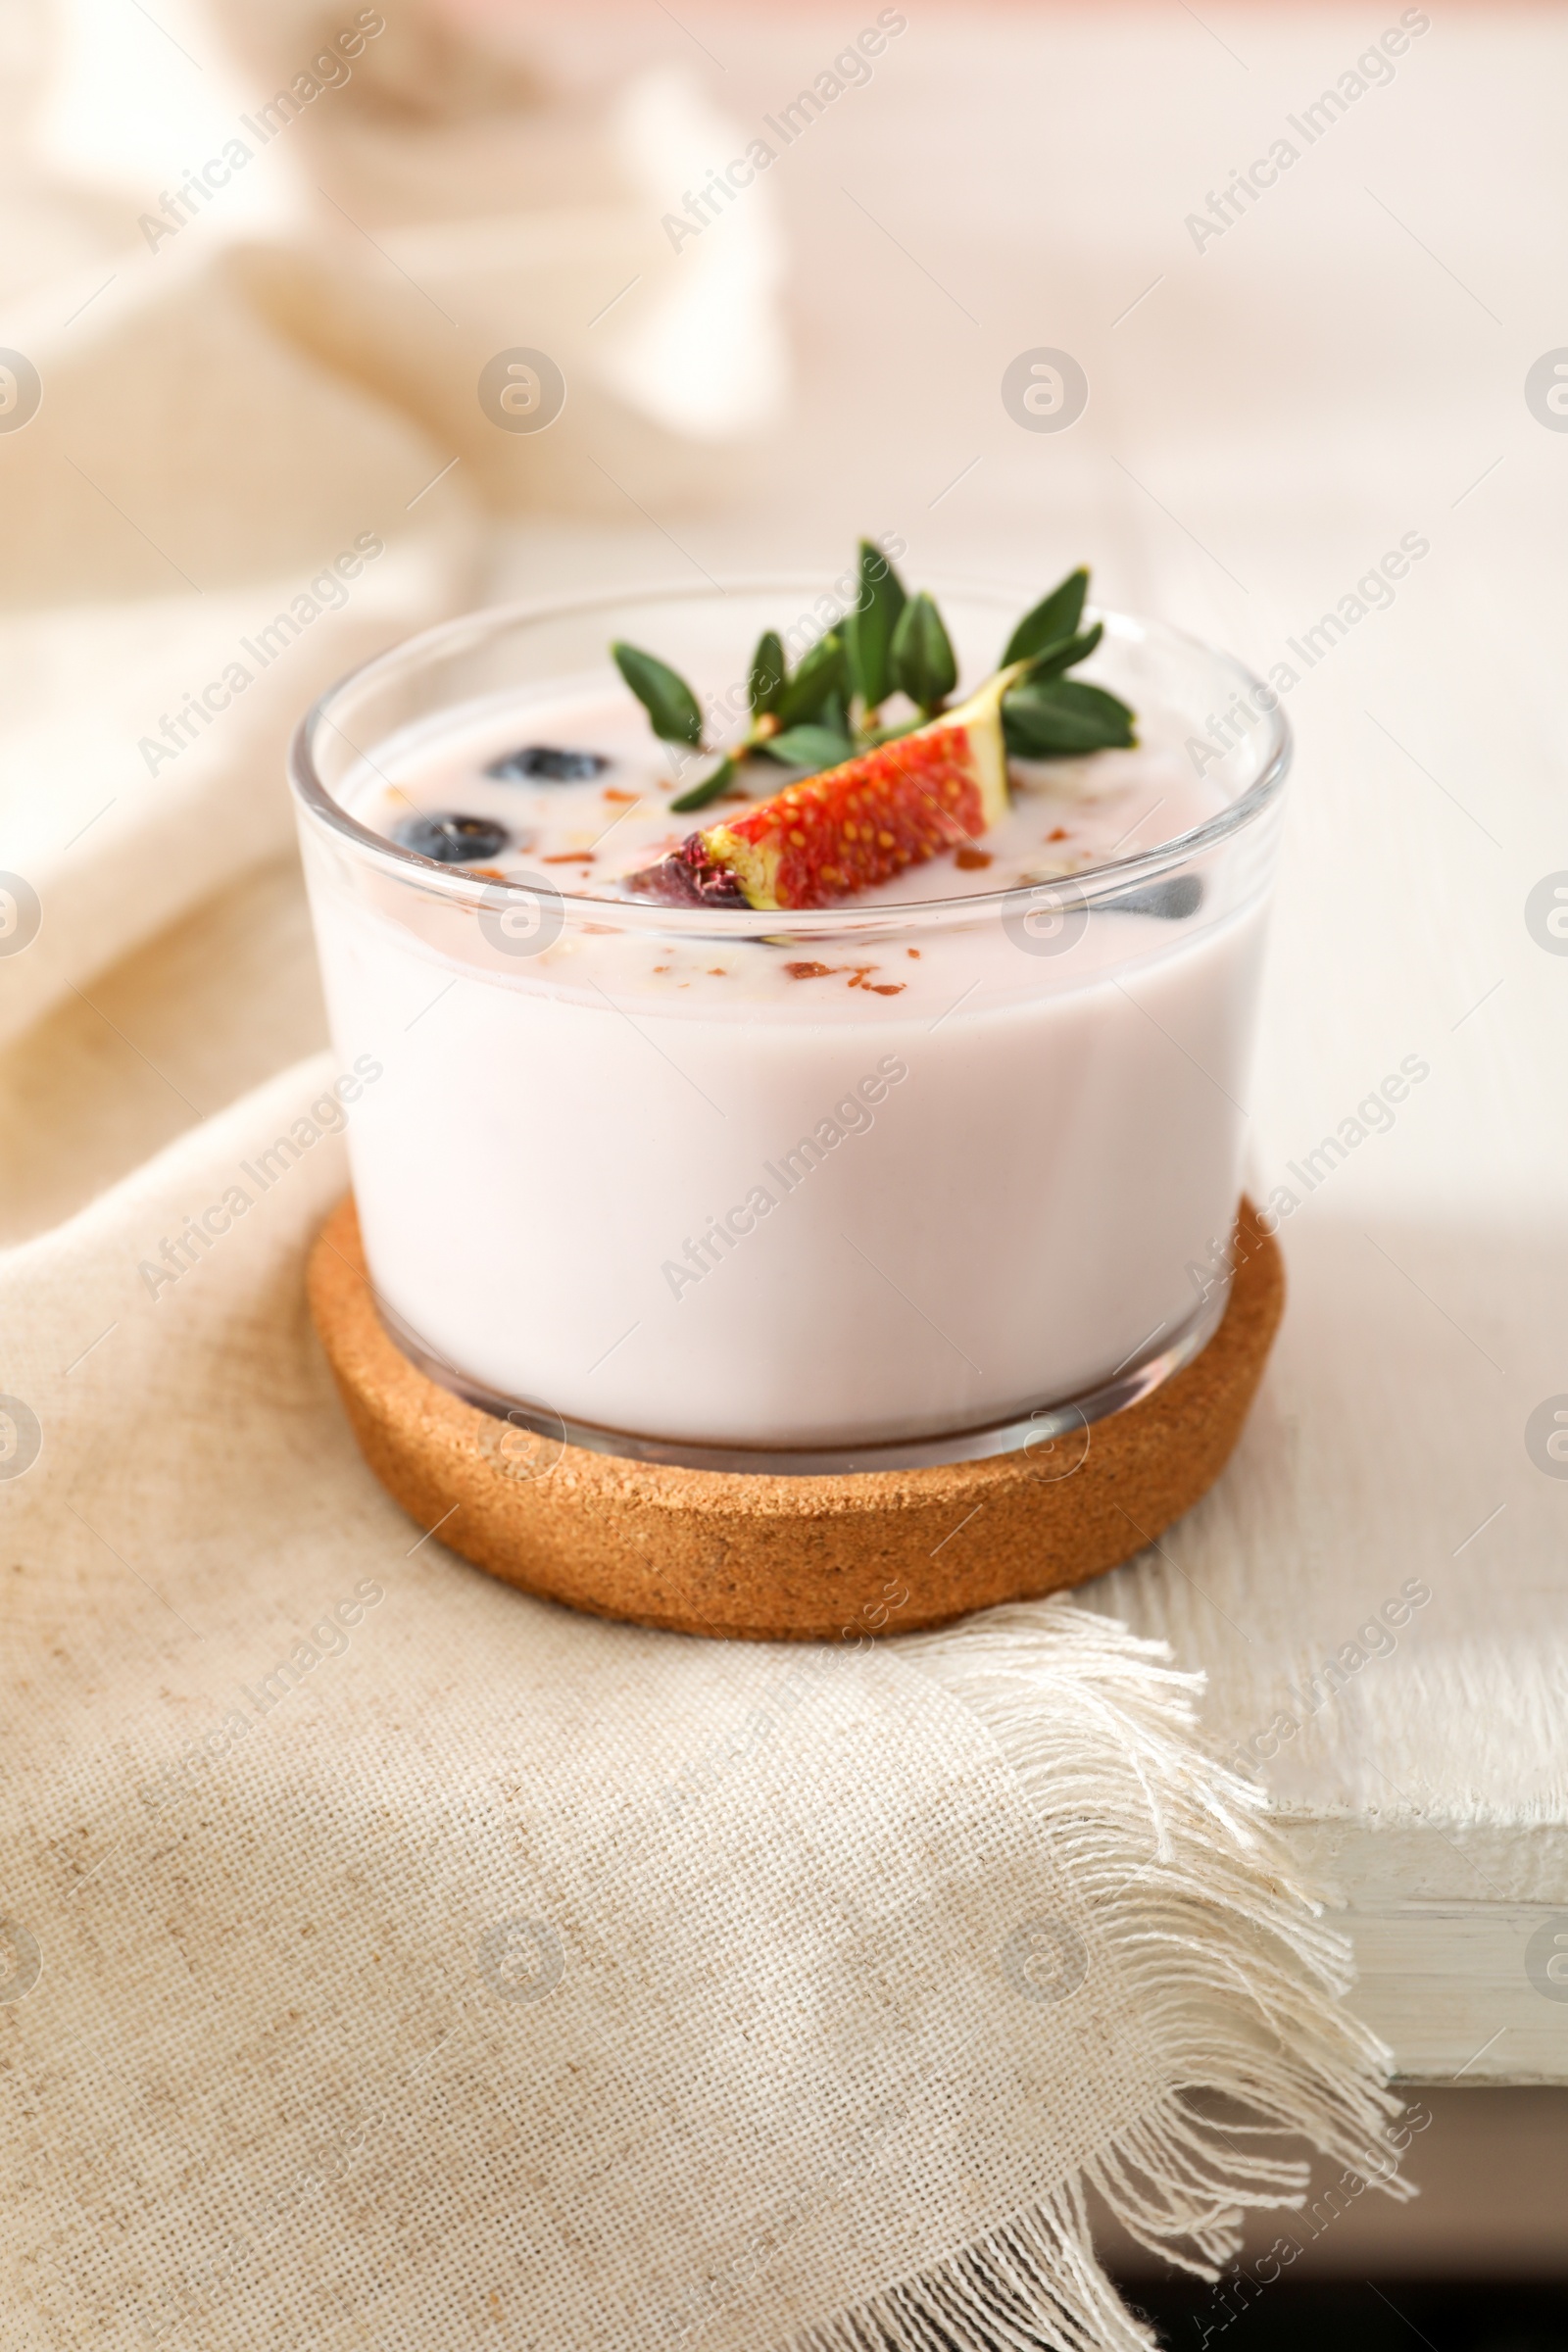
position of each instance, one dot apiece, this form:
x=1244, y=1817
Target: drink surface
x=590, y=833
x=585, y=836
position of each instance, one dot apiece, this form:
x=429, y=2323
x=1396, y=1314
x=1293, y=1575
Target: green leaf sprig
x=1048, y=716
x=831, y=706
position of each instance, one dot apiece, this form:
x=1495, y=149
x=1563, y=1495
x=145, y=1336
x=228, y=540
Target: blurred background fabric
x=261, y=258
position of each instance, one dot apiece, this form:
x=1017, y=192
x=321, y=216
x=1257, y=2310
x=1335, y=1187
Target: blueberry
x=450, y=839
x=1173, y=899
x=547, y=765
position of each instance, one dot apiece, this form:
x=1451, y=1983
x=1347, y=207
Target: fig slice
x=853, y=825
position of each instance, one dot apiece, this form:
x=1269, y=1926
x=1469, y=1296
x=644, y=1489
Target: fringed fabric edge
x=1216, y=1938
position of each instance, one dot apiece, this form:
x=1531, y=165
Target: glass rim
x=1089, y=886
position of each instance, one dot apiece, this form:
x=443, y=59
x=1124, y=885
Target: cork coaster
x=765, y=1558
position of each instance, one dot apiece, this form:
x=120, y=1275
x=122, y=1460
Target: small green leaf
x=809, y=747
x=768, y=674
x=668, y=700
x=711, y=785
x=1055, y=617
x=1067, y=655
x=869, y=629
x=822, y=677
x=1062, y=718
x=923, y=660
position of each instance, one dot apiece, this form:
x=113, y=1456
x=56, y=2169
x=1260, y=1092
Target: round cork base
x=769, y=1558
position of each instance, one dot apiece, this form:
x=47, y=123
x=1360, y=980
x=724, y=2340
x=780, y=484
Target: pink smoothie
x=819, y=1187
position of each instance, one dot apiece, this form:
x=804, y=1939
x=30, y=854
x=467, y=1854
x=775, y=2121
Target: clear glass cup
x=966, y=1208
